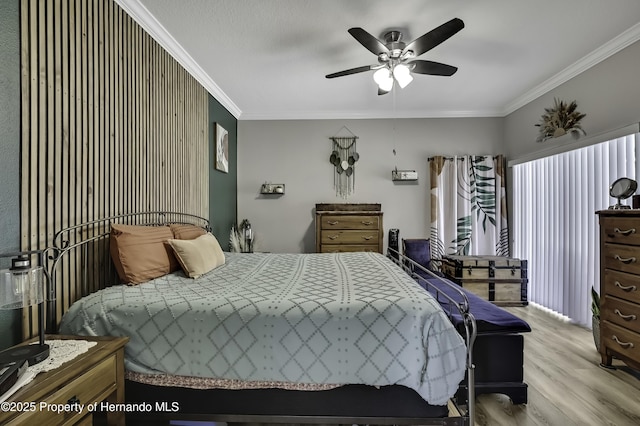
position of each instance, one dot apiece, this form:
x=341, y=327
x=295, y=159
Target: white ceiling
x=267, y=59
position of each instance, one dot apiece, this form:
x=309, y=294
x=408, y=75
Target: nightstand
x=92, y=377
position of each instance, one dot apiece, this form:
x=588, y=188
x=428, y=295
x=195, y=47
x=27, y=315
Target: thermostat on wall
x=404, y=175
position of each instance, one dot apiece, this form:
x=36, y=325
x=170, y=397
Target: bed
x=284, y=338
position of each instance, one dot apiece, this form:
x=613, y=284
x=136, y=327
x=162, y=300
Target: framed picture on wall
x=222, y=148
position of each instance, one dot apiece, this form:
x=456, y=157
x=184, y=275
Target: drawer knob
x=332, y=222
x=623, y=316
x=625, y=287
x=625, y=344
x=332, y=237
x=367, y=222
x=625, y=232
x=625, y=259
x=367, y=237
x=73, y=400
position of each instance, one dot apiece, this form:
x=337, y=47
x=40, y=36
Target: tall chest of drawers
x=620, y=286
x=348, y=228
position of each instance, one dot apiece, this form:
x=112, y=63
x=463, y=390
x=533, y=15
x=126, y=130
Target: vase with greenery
x=595, y=321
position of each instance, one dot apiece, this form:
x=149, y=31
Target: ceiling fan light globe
x=386, y=85
x=382, y=75
x=402, y=75
x=404, y=81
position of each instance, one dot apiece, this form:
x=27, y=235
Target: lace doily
x=60, y=351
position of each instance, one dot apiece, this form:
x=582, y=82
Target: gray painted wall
x=296, y=153
x=609, y=93
x=222, y=186
x=10, y=153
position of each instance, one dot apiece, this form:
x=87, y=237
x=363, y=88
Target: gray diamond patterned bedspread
x=304, y=318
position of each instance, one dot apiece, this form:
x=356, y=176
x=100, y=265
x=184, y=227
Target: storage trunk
x=501, y=280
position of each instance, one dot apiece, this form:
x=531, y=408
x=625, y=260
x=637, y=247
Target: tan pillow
x=141, y=253
x=183, y=231
x=198, y=256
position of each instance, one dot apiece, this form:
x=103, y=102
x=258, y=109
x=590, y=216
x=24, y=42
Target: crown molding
x=151, y=25
x=625, y=39
x=365, y=115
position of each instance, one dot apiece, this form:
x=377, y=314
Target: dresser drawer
x=621, y=258
x=622, y=313
x=349, y=237
x=346, y=248
x=621, y=340
x=85, y=389
x=621, y=230
x=350, y=222
x=622, y=285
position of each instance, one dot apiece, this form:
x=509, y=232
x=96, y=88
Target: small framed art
x=222, y=148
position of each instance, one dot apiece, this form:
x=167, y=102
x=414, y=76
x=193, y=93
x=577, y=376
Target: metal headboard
x=461, y=305
x=79, y=261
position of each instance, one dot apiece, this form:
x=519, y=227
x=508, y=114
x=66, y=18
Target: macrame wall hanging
x=344, y=158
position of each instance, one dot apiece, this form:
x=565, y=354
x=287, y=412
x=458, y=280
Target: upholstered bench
x=498, y=353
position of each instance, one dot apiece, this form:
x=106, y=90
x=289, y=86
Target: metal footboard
x=461, y=305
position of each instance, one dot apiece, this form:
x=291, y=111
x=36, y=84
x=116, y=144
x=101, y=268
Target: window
x=555, y=225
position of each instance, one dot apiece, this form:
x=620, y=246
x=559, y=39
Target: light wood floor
x=566, y=384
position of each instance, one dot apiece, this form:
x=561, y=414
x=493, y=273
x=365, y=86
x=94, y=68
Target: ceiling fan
x=396, y=59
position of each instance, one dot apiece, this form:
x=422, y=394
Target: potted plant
x=595, y=321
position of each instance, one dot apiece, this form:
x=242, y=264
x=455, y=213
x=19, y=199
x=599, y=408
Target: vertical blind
x=555, y=225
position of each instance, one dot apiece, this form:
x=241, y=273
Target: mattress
x=334, y=318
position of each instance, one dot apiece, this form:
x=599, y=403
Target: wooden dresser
x=620, y=286
x=348, y=227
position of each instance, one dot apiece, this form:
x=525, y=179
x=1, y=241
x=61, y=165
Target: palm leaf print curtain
x=468, y=206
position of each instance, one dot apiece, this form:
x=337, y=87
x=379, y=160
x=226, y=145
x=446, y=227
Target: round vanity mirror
x=622, y=189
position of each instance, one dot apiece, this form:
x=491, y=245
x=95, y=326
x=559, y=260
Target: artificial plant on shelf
x=559, y=120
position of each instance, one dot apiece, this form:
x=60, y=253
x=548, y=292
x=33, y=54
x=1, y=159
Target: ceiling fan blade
x=432, y=68
x=434, y=37
x=372, y=44
x=350, y=71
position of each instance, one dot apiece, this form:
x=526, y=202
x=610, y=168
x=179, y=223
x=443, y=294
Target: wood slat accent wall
x=111, y=124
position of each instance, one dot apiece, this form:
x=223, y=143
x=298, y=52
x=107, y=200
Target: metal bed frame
x=462, y=306
x=78, y=263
